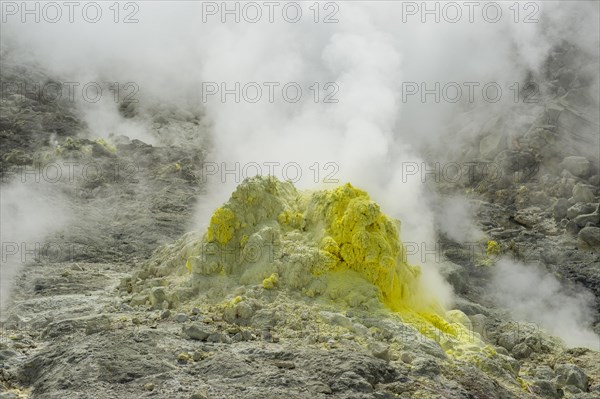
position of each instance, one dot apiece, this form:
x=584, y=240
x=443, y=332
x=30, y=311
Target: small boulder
x=165, y=314
x=570, y=374
x=424, y=366
x=590, y=235
x=583, y=193
x=180, y=318
x=149, y=387
x=583, y=220
x=407, y=357
x=560, y=208
x=579, y=166
x=545, y=389
x=521, y=351
x=199, y=395
x=336, y=319
x=138, y=300
x=244, y=310
x=218, y=337
x=544, y=373
x=580, y=209
x=240, y=313
x=199, y=355
x=478, y=324
x=529, y=216
x=571, y=227
x=198, y=332
x=157, y=297
x=508, y=340
x=283, y=364
x=381, y=351
x=6, y=354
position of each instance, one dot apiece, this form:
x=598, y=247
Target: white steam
x=29, y=213
x=532, y=294
x=103, y=122
x=455, y=218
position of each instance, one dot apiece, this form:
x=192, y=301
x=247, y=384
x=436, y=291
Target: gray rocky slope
x=89, y=320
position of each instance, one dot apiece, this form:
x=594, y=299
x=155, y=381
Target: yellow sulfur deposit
x=492, y=249
x=334, y=244
x=109, y=147
x=365, y=240
x=222, y=226
x=270, y=282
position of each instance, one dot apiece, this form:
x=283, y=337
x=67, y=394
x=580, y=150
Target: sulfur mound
x=335, y=242
x=334, y=245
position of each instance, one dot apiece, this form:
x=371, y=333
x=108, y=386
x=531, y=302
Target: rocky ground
x=540, y=201
x=77, y=326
